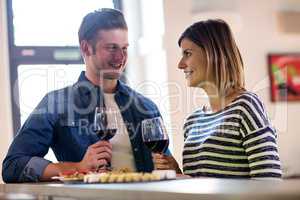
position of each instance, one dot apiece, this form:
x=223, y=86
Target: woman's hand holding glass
x=165, y=162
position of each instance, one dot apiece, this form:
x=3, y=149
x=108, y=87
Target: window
x=43, y=78
x=51, y=22
x=43, y=43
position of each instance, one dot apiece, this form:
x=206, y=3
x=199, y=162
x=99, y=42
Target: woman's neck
x=218, y=101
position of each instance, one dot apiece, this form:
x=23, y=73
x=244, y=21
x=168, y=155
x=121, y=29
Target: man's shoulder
x=59, y=95
x=61, y=90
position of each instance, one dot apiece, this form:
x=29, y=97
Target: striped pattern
x=236, y=142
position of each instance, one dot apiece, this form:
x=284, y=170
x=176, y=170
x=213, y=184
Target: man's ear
x=85, y=48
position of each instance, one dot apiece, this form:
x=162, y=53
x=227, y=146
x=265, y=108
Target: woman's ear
x=85, y=48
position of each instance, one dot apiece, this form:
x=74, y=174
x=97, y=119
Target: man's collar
x=86, y=86
x=122, y=88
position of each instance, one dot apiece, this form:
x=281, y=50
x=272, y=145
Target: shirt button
x=135, y=149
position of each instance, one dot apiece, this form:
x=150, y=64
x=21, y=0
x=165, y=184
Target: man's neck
x=108, y=85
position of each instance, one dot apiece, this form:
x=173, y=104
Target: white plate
x=68, y=180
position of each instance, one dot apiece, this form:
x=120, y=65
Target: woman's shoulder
x=251, y=99
x=253, y=110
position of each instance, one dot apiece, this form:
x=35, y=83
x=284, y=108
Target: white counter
x=200, y=188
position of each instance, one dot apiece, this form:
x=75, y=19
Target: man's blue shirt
x=63, y=121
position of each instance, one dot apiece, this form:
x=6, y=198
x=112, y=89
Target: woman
x=234, y=138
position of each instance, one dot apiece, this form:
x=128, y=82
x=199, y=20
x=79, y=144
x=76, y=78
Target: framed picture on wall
x=284, y=76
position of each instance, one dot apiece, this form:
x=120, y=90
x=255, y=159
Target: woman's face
x=193, y=63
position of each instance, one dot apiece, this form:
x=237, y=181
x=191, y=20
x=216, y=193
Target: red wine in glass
x=106, y=134
x=154, y=135
x=158, y=146
x=104, y=128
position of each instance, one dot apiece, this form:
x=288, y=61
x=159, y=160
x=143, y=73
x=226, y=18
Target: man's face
x=110, y=54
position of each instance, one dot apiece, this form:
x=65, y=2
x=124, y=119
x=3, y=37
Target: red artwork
x=285, y=77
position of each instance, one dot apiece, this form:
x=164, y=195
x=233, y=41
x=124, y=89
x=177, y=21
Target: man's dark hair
x=102, y=19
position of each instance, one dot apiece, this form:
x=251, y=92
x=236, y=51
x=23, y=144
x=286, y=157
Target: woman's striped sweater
x=236, y=142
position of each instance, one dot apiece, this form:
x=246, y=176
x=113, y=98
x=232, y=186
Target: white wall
x=5, y=105
x=146, y=68
x=254, y=24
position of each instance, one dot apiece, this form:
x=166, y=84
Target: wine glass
x=105, y=123
x=154, y=135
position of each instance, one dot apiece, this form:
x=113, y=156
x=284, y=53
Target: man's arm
x=97, y=155
x=24, y=161
x=54, y=169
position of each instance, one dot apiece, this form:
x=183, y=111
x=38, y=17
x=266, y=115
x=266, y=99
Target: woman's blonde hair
x=223, y=56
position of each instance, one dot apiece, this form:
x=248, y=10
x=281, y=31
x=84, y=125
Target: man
x=63, y=119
